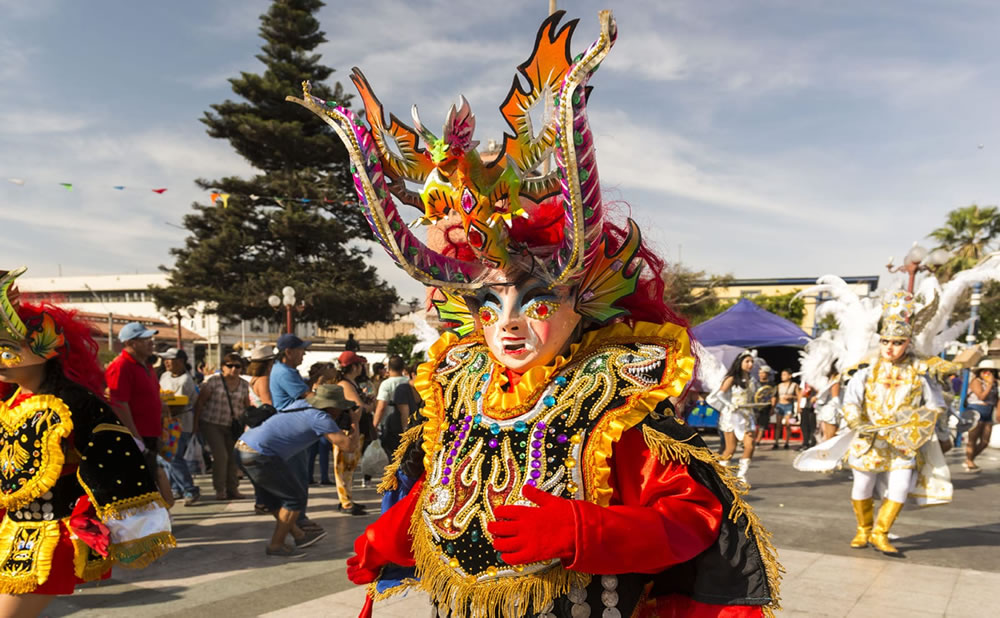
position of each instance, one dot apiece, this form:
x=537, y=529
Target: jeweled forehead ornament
x=900, y=317
x=498, y=198
x=40, y=334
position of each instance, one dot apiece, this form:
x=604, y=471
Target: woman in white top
x=733, y=400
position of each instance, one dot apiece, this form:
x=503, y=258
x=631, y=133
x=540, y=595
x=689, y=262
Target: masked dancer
x=76, y=494
x=552, y=476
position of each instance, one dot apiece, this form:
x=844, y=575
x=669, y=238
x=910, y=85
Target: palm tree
x=967, y=234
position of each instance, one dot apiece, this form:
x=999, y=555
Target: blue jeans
x=275, y=481
x=179, y=472
x=324, y=449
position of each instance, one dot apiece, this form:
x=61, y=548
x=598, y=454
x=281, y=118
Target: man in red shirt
x=135, y=396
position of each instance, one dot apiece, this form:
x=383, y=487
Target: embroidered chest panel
x=482, y=458
x=891, y=388
x=31, y=455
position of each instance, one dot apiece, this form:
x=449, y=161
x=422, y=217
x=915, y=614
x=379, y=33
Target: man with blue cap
x=286, y=383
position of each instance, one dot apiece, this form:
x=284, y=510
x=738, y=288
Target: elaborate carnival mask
x=515, y=217
x=24, y=342
x=525, y=325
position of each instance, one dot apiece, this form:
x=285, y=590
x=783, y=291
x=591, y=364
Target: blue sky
x=772, y=138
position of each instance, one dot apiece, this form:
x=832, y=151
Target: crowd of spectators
x=263, y=418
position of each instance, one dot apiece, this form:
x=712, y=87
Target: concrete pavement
x=220, y=570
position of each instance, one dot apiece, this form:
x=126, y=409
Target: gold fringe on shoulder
x=408, y=437
x=503, y=596
x=668, y=449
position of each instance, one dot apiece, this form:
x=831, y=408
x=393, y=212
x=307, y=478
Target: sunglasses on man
x=233, y=366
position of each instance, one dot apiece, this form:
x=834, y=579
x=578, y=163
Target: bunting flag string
x=215, y=196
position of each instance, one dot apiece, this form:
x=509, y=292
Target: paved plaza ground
x=951, y=568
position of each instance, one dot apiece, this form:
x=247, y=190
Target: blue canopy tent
x=748, y=326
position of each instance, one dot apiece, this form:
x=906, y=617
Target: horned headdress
x=497, y=199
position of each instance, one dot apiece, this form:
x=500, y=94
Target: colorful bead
x=560, y=380
x=447, y=471
x=536, y=444
x=532, y=482
x=476, y=395
x=561, y=438
x=520, y=427
x=536, y=464
x=569, y=462
x=538, y=435
x=452, y=428
x=491, y=571
x=444, y=480
x=450, y=460
x=535, y=474
x=494, y=429
x=536, y=453
x=575, y=438
x=540, y=425
x=478, y=418
x=549, y=400
x=493, y=443
x=468, y=419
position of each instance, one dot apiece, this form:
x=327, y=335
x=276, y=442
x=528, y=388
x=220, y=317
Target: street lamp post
x=288, y=300
x=918, y=259
x=170, y=314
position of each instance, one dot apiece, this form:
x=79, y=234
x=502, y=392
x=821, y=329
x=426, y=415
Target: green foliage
x=785, y=305
x=692, y=293
x=969, y=233
x=239, y=255
x=827, y=323
x=402, y=345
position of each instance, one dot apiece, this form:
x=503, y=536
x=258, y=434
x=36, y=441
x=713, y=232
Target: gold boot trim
x=880, y=533
x=863, y=511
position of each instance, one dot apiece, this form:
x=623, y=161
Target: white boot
x=742, y=472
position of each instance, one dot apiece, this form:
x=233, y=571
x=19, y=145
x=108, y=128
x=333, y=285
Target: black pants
x=808, y=426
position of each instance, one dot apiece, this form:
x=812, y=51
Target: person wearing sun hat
x=268, y=454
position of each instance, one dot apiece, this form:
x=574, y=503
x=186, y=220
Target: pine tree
x=239, y=254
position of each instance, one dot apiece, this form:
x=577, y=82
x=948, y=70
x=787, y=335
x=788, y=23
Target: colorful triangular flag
x=160, y=191
x=119, y=187
x=66, y=185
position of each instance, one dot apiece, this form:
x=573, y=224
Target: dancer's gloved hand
x=385, y=541
x=524, y=534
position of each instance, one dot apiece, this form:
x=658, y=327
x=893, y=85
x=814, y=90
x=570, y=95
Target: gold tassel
x=140, y=553
x=504, y=596
x=668, y=449
x=390, y=592
x=389, y=481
